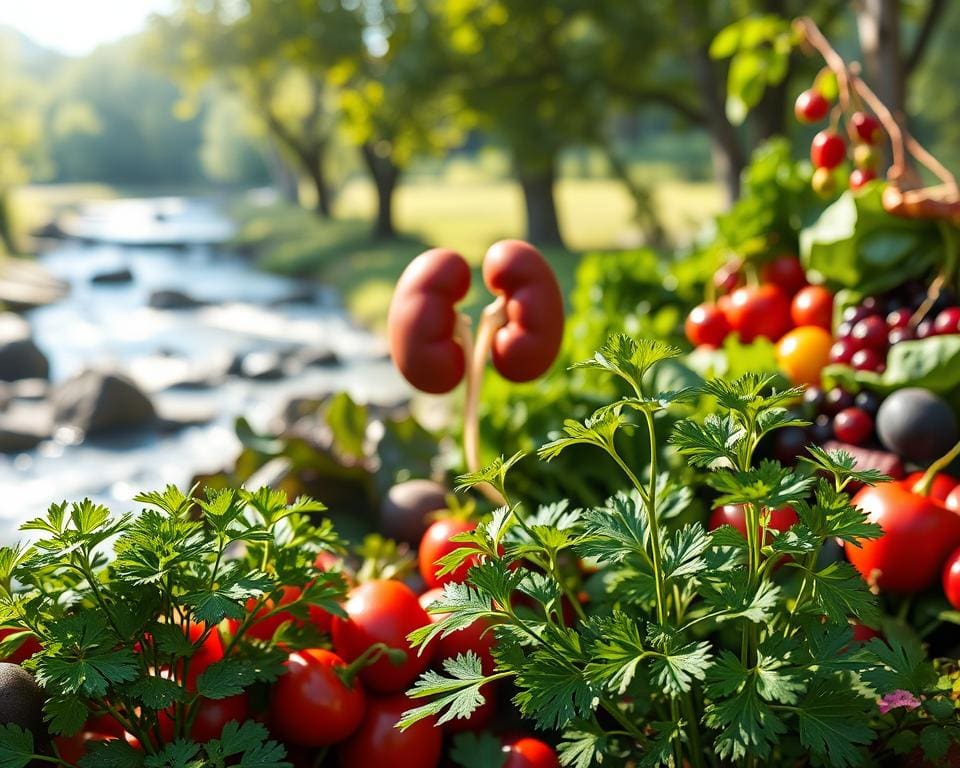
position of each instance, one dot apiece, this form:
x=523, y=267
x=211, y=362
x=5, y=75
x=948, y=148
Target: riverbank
x=467, y=216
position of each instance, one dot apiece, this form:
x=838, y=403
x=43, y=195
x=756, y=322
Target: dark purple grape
x=873, y=304
x=836, y=400
x=901, y=334
x=822, y=429
x=925, y=329
x=788, y=443
x=868, y=401
x=813, y=400
x=855, y=314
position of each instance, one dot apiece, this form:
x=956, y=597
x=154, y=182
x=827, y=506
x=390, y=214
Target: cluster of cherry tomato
x=351, y=695
x=783, y=308
x=869, y=329
x=828, y=149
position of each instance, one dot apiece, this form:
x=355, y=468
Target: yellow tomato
x=803, y=352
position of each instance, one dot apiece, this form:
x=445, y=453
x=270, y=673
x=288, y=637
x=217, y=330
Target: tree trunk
x=283, y=178
x=543, y=226
x=7, y=239
x=385, y=175
x=645, y=212
x=878, y=25
x=313, y=164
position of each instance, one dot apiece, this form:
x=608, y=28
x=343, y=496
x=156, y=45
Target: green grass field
x=465, y=215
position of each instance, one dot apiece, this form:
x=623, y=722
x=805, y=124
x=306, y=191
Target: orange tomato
x=803, y=353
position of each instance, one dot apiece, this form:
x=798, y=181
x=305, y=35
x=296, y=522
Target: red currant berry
x=897, y=335
x=811, y=106
x=786, y=273
x=859, y=177
x=899, y=318
x=827, y=150
x=947, y=322
x=842, y=350
x=925, y=329
x=868, y=360
x=867, y=127
x=857, y=313
x=871, y=332
x=853, y=425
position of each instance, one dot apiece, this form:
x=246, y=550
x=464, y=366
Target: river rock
x=305, y=295
x=265, y=365
x=20, y=357
x=114, y=276
x=173, y=299
x=173, y=414
x=318, y=357
x=96, y=401
x=23, y=426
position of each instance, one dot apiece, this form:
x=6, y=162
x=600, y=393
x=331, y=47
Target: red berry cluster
x=869, y=329
x=828, y=149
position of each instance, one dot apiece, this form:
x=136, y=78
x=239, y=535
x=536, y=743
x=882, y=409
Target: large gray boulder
x=97, y=401
x=173, y=299
x=20, y=357
x=23, y=426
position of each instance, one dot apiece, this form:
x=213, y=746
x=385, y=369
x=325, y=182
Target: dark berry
x=857, y=313
x=836, y=400
x=898, y=318
x=925, y=329
x=867, y=360
x=872, y=304
x=842, y=350
x=867, y=401
x=813, y=400
x=867, y=127
x=871, y=332
x=811, y=106
x=844, y=329
x=901, y=334
x=822, y=429
x=945, y=299
x=789, y=443
x=947, y=322
x=853, y=425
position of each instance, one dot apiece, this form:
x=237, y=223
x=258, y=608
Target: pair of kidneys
x=431, y=343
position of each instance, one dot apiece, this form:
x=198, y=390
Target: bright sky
x=78, y=26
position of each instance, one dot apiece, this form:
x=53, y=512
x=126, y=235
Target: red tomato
x=72, y=748
x=813, y=305
x=951, y=579
x=472, y=638
x=785, y=272
x=436, y=544
x=527, y=752
x=864, y=634
x=29, y=646
x=379, y=743
x=918, y=535
x=382, y=612
x=104, y=724
x=943, y=485
x=310, y=705
x=212, y=716
x=762, y=311
x=706, y=324
x=953, y=500
x=210, y=652
x=734, y=514
x=263, y=629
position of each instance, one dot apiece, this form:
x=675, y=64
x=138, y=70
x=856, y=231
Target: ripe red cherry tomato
x=264, y=628
x=735, y=514
x=867, y=127
x=209, y=653
x=860, y=176
x=310, y=705
x=478, y=637
x=813, y=305
x=382, y=612
x=786, y=273
x=706, y=324
x=526, y=346
x=761, y=311
x=811, y=106
x=853, y=425
x=436, y=544
x=105, y=724
x=941, y=488
x=951, y=579
x=212, y=716
x=379, y=743
x=953, y=500
x=72, y=748
x=528, y=752
x=422, y=320
x=947, y=322
x=827, y=150
x=918, y=535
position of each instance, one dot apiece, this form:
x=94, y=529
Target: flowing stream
x=165, y=245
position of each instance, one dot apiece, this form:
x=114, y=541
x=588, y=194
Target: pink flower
x=896, y=699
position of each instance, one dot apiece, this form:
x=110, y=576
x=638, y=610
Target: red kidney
x=528, y=343
x=422, y=320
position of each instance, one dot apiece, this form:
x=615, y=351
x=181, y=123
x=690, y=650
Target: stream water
x=113, y=324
